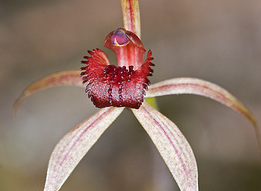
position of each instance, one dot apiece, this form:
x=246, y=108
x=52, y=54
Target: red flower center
x=123, y=85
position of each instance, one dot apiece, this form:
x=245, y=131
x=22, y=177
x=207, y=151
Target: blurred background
x=218, y=41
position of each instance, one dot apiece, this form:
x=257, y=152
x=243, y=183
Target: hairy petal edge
x=109, y=85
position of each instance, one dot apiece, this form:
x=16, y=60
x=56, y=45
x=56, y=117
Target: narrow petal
x=131, y=15
x=63, y=78
x=199, y=87
x=73, y=146
x=203, y=88
x=172, y=145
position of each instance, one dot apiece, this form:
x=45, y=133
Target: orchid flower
x=113, y=88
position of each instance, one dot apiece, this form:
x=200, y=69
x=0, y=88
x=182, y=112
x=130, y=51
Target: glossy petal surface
x=64, y=78
x=73, y=146
x=172, y=146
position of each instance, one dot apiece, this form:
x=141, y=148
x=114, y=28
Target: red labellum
x=118, y=86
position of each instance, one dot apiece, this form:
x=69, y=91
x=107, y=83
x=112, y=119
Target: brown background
x=218, y=41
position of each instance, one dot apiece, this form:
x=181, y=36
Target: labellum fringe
x=118, y=86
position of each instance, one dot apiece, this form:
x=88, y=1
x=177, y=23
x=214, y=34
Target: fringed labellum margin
x=123, y=85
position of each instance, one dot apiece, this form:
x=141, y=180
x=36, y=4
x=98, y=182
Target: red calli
x=123, y=85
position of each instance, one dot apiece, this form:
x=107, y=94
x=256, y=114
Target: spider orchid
x=113, y=88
